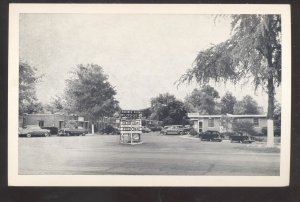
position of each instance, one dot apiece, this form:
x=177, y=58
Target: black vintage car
x=241, y=138
x=211, y=135
x=79, y=131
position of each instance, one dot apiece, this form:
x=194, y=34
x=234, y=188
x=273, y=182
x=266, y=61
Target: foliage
x=225, y=121
x=227, y=103
x=57, y=104
x=277, y=119
x=28, y=102
x=202, y=100
x=246, y=106
x=90, y=94
x=193, y=132
x=159, y=104
x=146, y=112
x=244, y=127
x=277, y=132
x=168, y=109
x=252, y=53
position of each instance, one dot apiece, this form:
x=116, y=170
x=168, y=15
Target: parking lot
x=158, y=155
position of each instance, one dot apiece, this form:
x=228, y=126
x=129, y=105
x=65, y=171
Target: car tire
x=181, y=133
x=67, y=134
x=28, y=135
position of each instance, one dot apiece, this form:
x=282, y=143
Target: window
x=211, y=123
x=256, y=122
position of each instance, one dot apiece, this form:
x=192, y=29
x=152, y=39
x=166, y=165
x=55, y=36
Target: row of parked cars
x=37, y=131
x=215, y=136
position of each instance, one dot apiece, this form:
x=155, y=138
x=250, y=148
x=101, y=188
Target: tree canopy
x=227, y=103
x=28, y=102
x=246, y=106
x=168, y=109
x=56, y=104
x=202, y=100
x=89, y=93
x=252, y=53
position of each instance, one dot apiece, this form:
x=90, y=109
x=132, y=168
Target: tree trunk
x=93, y=128
x=270, y=116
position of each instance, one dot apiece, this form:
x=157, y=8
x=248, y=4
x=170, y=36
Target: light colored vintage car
x=33, y=131
x=146, y=129
x=175, y=130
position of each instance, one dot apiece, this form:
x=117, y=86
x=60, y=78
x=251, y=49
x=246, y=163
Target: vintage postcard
x=149, y=95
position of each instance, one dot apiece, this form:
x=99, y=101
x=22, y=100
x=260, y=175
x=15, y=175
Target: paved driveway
x=158, y=155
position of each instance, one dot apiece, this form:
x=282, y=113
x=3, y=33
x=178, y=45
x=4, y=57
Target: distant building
x=223, y=123
x=52, y=121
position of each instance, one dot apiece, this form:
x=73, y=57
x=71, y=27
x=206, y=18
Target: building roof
x=198, y=115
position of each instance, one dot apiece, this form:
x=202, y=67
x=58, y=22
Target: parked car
x=79, y=131
x=240, y=137
x=156, y=128
x=187, y=128
x=53, y=130
x=145, y=129
x=33, y=131
x=175, y=130
x=164, y=129
x=111, y=130
x=211, y=135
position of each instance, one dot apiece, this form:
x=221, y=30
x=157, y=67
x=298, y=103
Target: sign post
x=131, y=127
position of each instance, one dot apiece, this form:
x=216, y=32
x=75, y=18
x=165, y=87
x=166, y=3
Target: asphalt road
x=158, y=155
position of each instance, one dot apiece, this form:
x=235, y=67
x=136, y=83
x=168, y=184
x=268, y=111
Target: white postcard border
x=14, y=179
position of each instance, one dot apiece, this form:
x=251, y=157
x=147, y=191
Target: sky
x=143, y=54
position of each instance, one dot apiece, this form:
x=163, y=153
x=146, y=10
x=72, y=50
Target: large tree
x=252, y=53
x=57, y=104
x=158, y=105
x=246, y=106
x=168, y=109
x=227, y=103
x=89, y=93
x=202, y=100
x=28, y=102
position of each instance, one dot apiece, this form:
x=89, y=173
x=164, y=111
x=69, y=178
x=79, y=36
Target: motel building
x=223, y=123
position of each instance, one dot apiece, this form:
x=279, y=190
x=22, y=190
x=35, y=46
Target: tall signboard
x=131, y=127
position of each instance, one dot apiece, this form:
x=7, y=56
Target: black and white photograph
x=149, y=95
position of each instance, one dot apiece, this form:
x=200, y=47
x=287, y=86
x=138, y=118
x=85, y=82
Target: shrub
x=277, y=131
x=264, y=131
x=244, y=127
x=193, y=132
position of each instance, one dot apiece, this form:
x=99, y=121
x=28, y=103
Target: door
x=41, y=123
x=200, y=127
x=61, y=124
